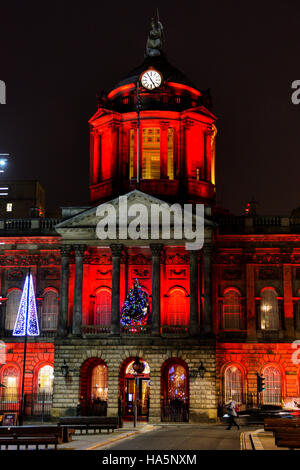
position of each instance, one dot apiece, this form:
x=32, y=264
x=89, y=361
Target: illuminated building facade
x=217, y=315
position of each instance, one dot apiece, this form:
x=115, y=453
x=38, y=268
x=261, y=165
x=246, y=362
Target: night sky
x=55, y=56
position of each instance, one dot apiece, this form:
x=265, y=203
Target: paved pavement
x=184, y=437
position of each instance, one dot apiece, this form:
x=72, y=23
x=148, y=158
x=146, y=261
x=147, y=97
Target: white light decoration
x=27, y=319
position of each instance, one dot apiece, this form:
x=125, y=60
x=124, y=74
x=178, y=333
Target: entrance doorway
x=131, y=386
x=175, y=391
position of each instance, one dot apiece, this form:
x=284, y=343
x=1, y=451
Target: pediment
x=83, y=225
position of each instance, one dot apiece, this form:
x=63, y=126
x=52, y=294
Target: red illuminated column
x=156, y=250
x=187, y=149
x=194, y=286
x=288, y=301
x=164, y=149
x=114, y=130
x=207, y=271
x=250, y=302
x=77, y=311
x=116, y=250
x=207, y=155
x=96, y=158
x=64, y=291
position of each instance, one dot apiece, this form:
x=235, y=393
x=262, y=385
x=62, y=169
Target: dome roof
x=160, y=63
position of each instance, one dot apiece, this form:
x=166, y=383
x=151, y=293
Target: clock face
x=151, y=79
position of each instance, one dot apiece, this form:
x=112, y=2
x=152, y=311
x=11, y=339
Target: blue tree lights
x=27, y=323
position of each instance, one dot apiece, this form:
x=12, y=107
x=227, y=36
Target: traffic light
x=260, y=382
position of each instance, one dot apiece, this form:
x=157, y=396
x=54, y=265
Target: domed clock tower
x=154, y=130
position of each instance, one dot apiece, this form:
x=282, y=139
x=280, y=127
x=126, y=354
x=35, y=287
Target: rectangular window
x=151, y=153
x=9, y=207
x=131, y=154
x=198, y=173
x=171, y=153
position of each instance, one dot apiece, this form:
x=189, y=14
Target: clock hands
x=151, y=79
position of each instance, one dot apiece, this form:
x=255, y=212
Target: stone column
x=288, y=301
x=64, y=291
x=250, y=313
x=207, y=252
x=77, y=311
x=156, y=250
x=116, y=250
x=194, y=299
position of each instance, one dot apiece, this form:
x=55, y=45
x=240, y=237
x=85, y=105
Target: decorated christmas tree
x=135, y=309
x=27, y=318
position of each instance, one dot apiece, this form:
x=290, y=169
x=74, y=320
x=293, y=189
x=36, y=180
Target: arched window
x=102, y=308
x=233, y=384
x=178, y=311
x=269, y=312
x=273, y=383
x=99, y=383
x=10, y=380
x=49, y=313
x=45, y=380
x=12, y=307
x=232, y=310
x=151, y=153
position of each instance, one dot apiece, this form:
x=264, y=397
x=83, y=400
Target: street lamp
x=201, y=370
x=138, y=368
x=65, y=369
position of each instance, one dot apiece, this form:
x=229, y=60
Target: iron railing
x=35, y=404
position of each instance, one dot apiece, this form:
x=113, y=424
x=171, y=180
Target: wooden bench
x=30, y=435
x=286, y=431
x=271, y=424
x=86, y=423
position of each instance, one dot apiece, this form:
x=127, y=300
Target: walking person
x=232, y=412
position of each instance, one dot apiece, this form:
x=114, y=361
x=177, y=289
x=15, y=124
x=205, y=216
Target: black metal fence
x=35, y=404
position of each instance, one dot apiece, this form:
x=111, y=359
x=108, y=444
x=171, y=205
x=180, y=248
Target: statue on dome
x=155, y=41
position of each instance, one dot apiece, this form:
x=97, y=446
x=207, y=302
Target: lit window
x=233, y=385
x=198, y=173
x=151, y=153
x=9, y=207
x=177, y=383
x=12, y=307
x=99, y=383
x=232, y=310
x=10, y=381
x=269, y=312
x=131, y=154
x=273, y=392
x=177, y=308
x=45, y=380
x=49, y=311
x=171, y=153
x=102, y=308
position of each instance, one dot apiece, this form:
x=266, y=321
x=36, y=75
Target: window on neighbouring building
x=9, y=207
x=171, y=153
x=178, y=309
x=99, y=382
x=49, y=313
x=233, y=385
x=269, y=312
x=273, y=392
x=232, y=310
x=12, y=307
x=45, y=380
x=10, y=380
x=151, y=153
x=131, y=154
x=102, y=308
